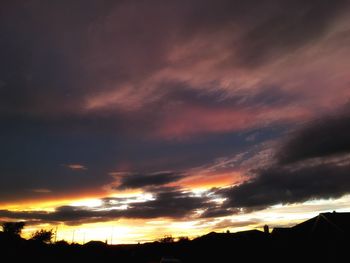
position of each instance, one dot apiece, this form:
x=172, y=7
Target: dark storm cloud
x=323, y=137
x=172, y=204
x=175, y=204
x=290, y=185
x=315, y=165
x=140, y=180
x=218, y=211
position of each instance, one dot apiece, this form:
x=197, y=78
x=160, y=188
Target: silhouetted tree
x=167, y=239
x=13, y=228
x=43, y=236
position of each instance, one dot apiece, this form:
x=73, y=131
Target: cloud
x=325, y=136
x=162, y=86
x=292, y=24
x=290, y=185
x=218, y=211
x=41, y=190
x=309, y=177
x=114, y=72
x=75, y=166
x=141, y=180
x=227, y=223
x=312, y=168
x=191, y=120
x=171, y=203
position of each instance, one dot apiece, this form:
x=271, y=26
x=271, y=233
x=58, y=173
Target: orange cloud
x=209, y=180
x=52, y=199
x=41, y=190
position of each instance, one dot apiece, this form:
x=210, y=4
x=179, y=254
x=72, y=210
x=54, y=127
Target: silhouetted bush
x=43, y=236
x=62, y=243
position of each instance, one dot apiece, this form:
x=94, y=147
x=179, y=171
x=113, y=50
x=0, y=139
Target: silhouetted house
x=170, y=260
x=242, y=235
x=249, y=235
x=324, y=225
x=280, y=231
x=329, y=224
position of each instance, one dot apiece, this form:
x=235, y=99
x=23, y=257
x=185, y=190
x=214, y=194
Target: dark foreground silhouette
x=324, y=238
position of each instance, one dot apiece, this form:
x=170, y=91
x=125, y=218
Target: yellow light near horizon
x=87, y=202
x=32, y=206
x=121, y=231
x=110, y=232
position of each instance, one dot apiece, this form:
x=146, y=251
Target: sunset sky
x=131, y=120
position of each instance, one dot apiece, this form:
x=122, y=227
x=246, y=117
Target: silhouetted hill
x=320, y=239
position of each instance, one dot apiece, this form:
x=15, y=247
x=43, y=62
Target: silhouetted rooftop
x=329, y=224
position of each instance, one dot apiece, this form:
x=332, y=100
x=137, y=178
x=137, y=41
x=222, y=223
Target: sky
x=131, y=120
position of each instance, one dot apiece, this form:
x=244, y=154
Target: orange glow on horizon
x=208, y=181
x=51, y=200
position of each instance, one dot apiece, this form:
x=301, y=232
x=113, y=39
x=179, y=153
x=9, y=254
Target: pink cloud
x=76, y=166
x=131, y=66
x=189, y=121
x=208, y=63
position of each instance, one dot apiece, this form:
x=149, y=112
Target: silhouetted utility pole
x=73, y=236
x=56, y=234
x=112, y=236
